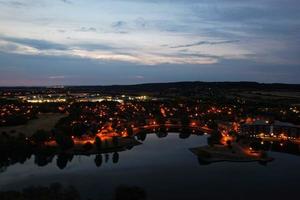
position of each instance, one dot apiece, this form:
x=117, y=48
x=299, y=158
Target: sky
x=93, y=42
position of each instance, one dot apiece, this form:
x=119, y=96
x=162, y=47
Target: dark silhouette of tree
x=185, y=121
x=98, y=142
x=163, y=128
x=62, y=160
x=215, y=138
x=88, y=146
x=98, y=160
x=40, y=136
x=42, y=159
x=161, y=134
x=229, y=144
x=106, y=158
x=232, y=133
x=129, y=131
x=129, y=147
x=79, y=129
x=64, y=141
x=115, y=140
x=106, y=143
x=142, y=136
x=184, y=135
x=115, y=157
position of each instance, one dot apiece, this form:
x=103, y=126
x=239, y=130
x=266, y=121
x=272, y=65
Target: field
x=45, y=121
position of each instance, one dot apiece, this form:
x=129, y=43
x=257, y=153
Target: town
x=89, y=122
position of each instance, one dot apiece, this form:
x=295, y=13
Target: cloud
x=67, y=1
x=94, y=46
x=107, y=55
x=205, y=43
x=61, y=31
x=56, y=77
x=157, y=31
x=14, y=3
x=37, y=44
x=87, y=29
x=119, y=24
x=140, y=22
x=139, y=77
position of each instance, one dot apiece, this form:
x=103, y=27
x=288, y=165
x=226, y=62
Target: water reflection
x=109, y=168
x=56, y=191
x=241, y=150
x=45, y=155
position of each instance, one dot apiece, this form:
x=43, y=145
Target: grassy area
x=45, y=121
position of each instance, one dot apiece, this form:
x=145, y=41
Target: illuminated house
x=268, y=128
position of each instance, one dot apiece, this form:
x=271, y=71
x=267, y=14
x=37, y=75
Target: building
x=275, y=128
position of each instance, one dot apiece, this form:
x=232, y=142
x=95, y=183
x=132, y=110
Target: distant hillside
x=167, y=87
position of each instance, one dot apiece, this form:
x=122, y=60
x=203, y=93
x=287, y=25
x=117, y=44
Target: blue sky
x=90, y=42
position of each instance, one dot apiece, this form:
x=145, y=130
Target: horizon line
x=145, y=83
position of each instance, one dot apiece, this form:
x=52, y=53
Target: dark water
x=165, y=169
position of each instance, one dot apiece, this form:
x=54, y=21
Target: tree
x=106, y=158
x=232, y=133
x=87, y=146
x=62, y=161
x=79, y=129
x=185, y=121
x=142, y=136
x=98, y=160
x=115, y=157
x=98, y=142
x=129, y=131
x=40, y=137
x=64, y=141
x=115, y=141
x=215, y=138
x=184, y=135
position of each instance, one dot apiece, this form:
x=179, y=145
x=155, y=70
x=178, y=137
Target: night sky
x=92, y=42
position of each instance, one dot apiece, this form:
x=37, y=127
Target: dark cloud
x=38, y=44
x=206, y=43
x=120, y=27
x=119, y=24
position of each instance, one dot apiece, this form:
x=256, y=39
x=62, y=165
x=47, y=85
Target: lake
x=164, y=168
